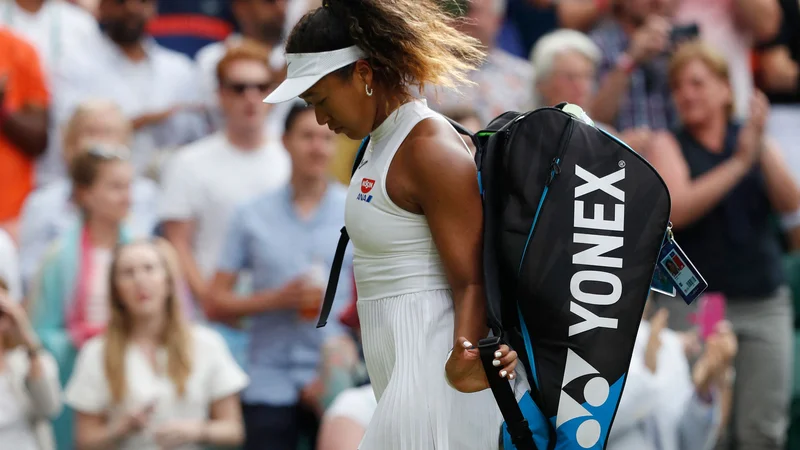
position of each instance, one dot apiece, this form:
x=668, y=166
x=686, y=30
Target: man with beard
x=154, y=86
x=266, y=22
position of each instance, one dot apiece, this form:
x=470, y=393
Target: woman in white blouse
x=153, y=381
x=29, y=388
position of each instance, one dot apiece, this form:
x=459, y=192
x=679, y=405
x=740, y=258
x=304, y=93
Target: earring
x=369, y=91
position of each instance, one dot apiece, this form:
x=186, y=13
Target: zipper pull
x=555, y=170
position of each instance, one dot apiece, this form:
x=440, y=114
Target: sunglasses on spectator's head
x=108, y=153
x=241, y=88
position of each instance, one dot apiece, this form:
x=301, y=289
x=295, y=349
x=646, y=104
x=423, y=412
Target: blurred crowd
x=165, y=236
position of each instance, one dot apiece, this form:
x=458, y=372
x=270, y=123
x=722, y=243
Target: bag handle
x=341, y=247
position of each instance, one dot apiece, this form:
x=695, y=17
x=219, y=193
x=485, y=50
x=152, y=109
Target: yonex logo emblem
x=596, y=392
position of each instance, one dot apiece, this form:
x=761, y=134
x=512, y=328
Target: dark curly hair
x=408, y=42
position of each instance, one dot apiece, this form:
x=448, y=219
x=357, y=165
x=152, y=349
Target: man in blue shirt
x=287, y=240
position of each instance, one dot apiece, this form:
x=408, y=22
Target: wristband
x=625, y=63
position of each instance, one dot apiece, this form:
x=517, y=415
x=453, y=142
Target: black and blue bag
x=574, y=220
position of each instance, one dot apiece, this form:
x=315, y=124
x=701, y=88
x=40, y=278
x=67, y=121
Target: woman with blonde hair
x=29, y=388
x=153, y=381
x=49, y=211
x=727, y=180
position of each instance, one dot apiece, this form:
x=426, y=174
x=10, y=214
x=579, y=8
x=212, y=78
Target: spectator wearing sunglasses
x=205, y=181
x=265, y=21
x=69, y=296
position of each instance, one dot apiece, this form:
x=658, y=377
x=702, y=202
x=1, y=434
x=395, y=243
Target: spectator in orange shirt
x=23, y=123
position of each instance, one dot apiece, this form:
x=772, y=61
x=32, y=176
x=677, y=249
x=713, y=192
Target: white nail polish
x=496, y=363
x=467, y=344
x=498, y=354
x=503, y=373
x=511, y=376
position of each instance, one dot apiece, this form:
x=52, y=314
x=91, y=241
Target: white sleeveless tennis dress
x=405, y=308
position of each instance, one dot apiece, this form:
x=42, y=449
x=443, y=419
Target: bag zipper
x=555, y=170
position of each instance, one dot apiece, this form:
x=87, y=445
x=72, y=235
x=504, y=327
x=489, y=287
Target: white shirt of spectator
x=57, y=30
x=208, y=179
x=357, y=404
x=14, y=426
x=9, y=266
x=215, y=375
x=163, y=80
x=19, y=405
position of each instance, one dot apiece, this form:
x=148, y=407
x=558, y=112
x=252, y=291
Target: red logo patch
x=367, y=185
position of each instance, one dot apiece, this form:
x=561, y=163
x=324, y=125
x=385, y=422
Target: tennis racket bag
x=574, y=220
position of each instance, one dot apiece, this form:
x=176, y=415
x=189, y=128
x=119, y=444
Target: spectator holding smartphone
x=30, y=393
x=726, y=180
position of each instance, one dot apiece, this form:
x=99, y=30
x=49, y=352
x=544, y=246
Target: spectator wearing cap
x=205, y=181
x=50, y=210
x=287, y=239
x=24, y=113
x=154, y=86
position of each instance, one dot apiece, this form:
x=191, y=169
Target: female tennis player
x=413, y=213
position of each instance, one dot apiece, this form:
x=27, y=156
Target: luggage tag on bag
x=675, y=268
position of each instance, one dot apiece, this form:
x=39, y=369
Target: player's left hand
x=464, y=370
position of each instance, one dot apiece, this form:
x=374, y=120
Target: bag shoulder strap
x=341, y=247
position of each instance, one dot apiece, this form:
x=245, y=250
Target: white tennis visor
x=305, y=69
